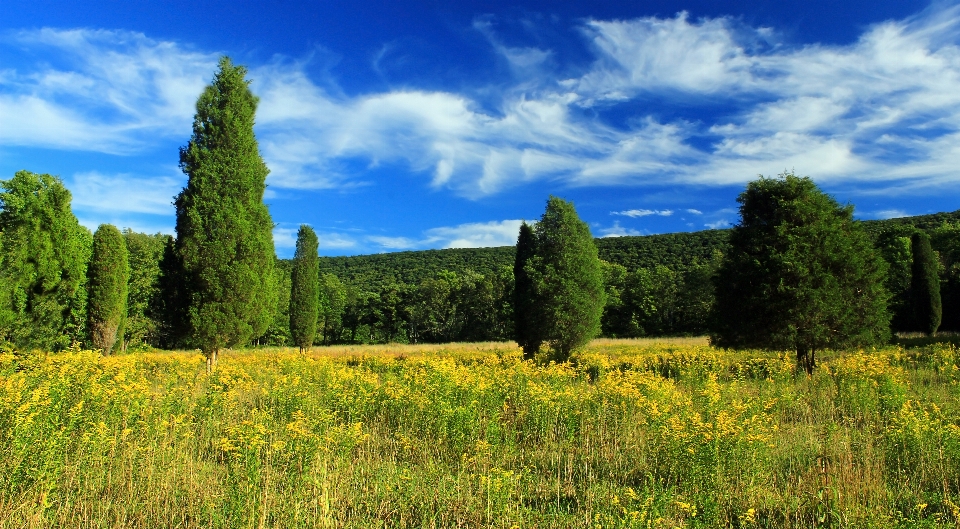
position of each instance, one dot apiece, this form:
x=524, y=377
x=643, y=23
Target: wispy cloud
x=882, y=111
x=643, y=212
x=125, y=193
x=120, y=92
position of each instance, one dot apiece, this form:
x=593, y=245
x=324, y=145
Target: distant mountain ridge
x=674, y=250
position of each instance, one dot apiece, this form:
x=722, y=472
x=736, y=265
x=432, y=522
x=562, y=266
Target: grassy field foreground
x=631, y=434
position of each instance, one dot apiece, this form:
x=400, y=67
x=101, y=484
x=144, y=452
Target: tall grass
x=630, y=434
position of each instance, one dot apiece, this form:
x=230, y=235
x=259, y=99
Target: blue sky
x=410, y=125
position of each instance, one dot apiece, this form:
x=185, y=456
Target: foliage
x=925, y=285
x=567, y=278
x=333, y=301
x=107, y=276
x=144, y=253
x=800, y=274
x=169, y=308
x=224, y=230
x=629, y=434
x=43, y=264
x=304, y=289
x=945, y=240
x=525, y=327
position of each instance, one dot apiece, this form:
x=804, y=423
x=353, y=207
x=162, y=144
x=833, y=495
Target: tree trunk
x=806, y=359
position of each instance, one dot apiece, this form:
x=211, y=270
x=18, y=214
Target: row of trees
x=797, y=272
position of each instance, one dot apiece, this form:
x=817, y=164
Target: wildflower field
x=630, y=434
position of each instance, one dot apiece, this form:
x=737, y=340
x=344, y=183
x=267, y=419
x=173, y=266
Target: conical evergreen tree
x=925, y=285
x=107, y=277
x=524, y=313
x=568, y=280
x=304, y=288
x=799, y=275
x=224, y=230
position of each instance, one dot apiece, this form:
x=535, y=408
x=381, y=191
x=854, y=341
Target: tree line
x=218, y=284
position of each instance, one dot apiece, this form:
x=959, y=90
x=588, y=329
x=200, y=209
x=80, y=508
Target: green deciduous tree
x=107, y=277
x=333, y=301
x=144, y=252
x=800, y=274
x=925, y=285
x=43, y=264
x=568, y=280
x=224, y=230
x=525, y=328
x=304, y=288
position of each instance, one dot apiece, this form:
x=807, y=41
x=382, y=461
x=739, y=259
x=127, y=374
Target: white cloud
x=890, y=214
x=643, y=212
x=469, y=235
x=125, y=193
x=694, y=211
x=121, y=92
x=476, y=234
x=393, y=243
x=883, y=110
x=718, y=225
x=335, y=241
x=284, y=237
x=618, y=231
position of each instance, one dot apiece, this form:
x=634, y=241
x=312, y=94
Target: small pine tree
x=304, y=288
x=568, y=280
x=107, y=277
x=925, y=285
x=524, y=313
x=224, y=230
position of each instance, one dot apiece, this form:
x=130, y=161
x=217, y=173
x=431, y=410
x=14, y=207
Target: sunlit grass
x=633, y=433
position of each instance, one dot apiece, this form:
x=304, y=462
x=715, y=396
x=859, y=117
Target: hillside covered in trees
x=673, y=250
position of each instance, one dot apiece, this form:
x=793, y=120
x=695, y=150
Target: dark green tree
x=107, y=277
x=169, y=308
x=224, y=230
x=925, y=285
x=43, y=264
x=568, y=280
x=799, y=275
x=525, y=329
x=304, y=288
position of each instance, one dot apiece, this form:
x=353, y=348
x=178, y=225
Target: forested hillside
x=673, y=250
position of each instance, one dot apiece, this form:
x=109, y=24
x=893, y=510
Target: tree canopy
x=224, y=230
x=43, y=264
x=925, y=285
x=304, y=289
x=108, y=274
x=567, y=278
x=800, y=274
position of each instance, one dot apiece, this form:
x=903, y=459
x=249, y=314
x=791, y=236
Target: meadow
x=629, y=434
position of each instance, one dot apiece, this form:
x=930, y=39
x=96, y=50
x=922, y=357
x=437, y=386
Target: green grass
x=631, y=434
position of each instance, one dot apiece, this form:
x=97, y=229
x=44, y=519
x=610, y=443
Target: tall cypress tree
x=107, y=277
x=524, y=313
x=304, y=288
x=224, y=230
x=568, y=280
x=925, y=285
x=43, y=264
